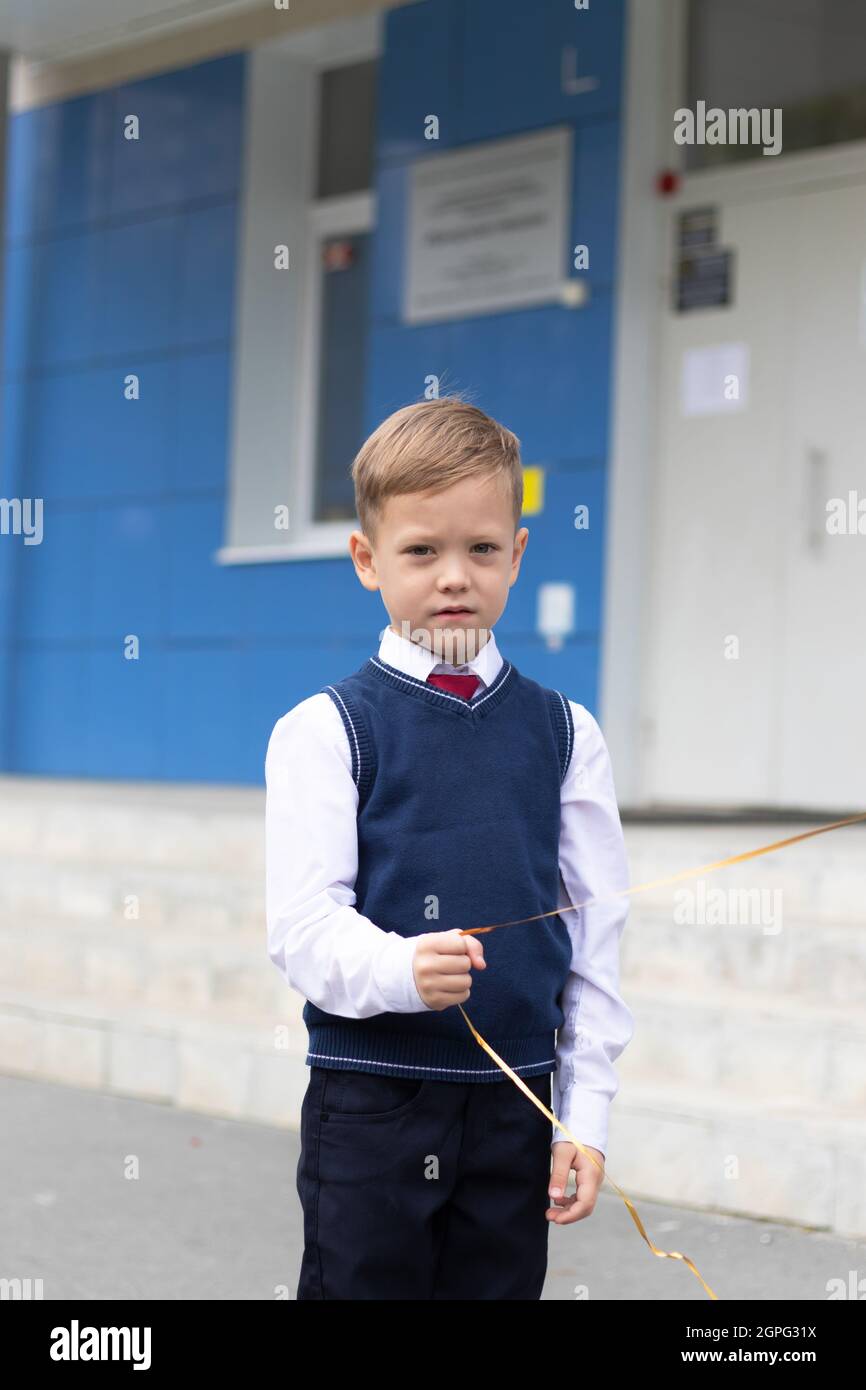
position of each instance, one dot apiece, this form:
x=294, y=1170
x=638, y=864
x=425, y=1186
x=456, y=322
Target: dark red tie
x=465, y=686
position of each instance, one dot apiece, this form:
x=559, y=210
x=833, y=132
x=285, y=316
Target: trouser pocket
x=362, y=1095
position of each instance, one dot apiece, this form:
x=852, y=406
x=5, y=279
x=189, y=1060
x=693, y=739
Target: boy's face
x=451, y=549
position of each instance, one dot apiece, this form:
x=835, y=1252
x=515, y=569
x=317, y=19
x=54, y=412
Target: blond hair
x=428, y=446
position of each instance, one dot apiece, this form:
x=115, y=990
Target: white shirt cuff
x=395, y=976
x=586, y=1115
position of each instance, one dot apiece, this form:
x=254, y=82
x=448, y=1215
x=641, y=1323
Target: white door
x=757, y=663
x=822, y=706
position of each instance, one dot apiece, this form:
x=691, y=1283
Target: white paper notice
x=715, y=379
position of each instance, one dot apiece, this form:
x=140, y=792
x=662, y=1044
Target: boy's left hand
x=587, y=1178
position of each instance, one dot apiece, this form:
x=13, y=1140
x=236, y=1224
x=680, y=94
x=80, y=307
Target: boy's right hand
x=442, y=967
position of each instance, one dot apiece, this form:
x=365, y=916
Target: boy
x=416, y=798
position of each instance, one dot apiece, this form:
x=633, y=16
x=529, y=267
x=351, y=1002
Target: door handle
x=816, y=492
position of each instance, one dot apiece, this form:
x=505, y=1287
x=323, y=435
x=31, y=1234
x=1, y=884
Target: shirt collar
x=414, y=660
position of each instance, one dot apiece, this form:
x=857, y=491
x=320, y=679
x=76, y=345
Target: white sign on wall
x=487, y=227
x=714, y=379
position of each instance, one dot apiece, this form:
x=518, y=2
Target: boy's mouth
x=454, y=613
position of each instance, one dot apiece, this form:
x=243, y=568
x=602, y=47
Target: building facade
x=228, y=258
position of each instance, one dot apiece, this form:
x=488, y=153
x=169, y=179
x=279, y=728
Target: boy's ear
x=517, y=554
x=362, y=558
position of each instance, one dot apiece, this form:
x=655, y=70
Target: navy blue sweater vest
x=458, y=814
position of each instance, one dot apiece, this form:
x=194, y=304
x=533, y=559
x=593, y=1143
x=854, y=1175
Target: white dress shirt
x=343, y=963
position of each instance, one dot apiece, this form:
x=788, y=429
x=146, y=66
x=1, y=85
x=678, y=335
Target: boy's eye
x=413, y=549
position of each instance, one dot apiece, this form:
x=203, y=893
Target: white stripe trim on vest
x=567, y=714
x=354, y=733
x=426, y=685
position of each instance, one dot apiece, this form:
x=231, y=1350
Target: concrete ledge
x=253, y=1071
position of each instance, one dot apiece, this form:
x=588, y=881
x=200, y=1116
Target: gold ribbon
x=626, y=892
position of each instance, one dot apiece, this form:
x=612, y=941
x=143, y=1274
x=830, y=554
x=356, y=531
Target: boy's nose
x=454, y=582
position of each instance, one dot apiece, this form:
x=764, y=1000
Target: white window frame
x=329, y=217
x=278, y=322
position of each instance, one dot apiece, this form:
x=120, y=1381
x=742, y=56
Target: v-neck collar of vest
x=443, y=699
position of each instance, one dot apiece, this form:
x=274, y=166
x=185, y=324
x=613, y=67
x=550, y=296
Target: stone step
x=181, y=898
x=766, y=1158
x=250, y=1069
x=819, y=960
x=821, y=878
x=751, y=1044
x=61, y=820
x=807, y=955
x=227, y=977
x=758, y=1040
x=220, y=830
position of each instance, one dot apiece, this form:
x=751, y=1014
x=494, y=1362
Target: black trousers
x=423, y=1189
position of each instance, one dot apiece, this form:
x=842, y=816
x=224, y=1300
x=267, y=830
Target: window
x=344, y=246
x=300, y=348
x=807, y=57
x=347, y=119
x=342, y=361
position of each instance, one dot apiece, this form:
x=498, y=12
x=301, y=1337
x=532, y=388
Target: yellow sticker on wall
x=533, y=490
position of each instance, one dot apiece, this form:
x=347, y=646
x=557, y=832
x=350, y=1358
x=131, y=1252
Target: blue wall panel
x=121, y=260
x=54, y=581
x=512, y=65
x=574, y=670
x=420, y=76
x=60, y=166
x=125, y=718
x=596, y=177
x=191, y=143
x=50, y=699
x=21, y=288
x=556, y=553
